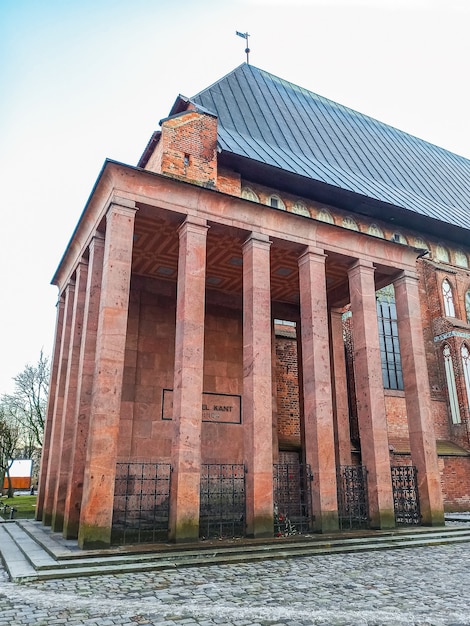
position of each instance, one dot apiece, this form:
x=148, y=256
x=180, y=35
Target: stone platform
x=31, y=551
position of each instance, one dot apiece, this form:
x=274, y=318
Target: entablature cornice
x=119, y=183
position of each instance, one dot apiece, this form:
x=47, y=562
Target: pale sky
x=82, y=80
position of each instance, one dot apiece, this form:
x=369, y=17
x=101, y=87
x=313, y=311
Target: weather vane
x=247, y=49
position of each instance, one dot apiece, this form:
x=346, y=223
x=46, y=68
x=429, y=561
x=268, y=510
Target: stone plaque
x=216, y=407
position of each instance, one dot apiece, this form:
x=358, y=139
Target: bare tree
x=28, y=403
x=9, y=439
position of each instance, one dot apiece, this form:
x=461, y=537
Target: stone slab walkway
x=425, y=586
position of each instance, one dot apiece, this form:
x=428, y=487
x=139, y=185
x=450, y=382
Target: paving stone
x=425, y=586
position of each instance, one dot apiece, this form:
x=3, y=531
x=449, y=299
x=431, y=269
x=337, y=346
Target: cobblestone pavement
x=418, y=586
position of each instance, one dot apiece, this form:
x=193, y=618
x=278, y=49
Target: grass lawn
x=24, y=505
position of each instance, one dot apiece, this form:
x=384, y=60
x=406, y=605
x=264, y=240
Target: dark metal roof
x=276, y=123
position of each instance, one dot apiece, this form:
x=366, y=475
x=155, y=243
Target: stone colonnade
x=82, y=429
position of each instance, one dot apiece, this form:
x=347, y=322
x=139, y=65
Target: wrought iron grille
x=353, y=506
x=222, y=504
x=405, y=495
x=141, y=502
x=292, y=498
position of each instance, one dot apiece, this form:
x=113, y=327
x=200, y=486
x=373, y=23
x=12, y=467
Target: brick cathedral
x=264, y=325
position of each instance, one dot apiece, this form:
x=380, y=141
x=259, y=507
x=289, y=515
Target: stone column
x=188, y=381
x=274, y=420
x=69, y=421
x=317, y=420
x=340, y=389
x=418, y=399
x=257, y=386
x=84, y=388
x=58, y=415
x=100, y=470
x=370, y=395
x=50, y=409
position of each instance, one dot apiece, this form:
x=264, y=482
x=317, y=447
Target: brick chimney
x=187, y=148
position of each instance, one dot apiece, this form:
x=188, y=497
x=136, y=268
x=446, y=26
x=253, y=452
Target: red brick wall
x=288, y=412
x=435, y=323
x=187, y=149
x=229, y=181
x=455, y=480
x=397, y=422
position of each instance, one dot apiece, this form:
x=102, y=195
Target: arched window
x=442, y=254
x=451, y=388
x=449, y=308
x=325, y=216
x=276, y=202
x=461, y=258
x=399, y=238
x=249, y=194
x=348, y=222
x=300, y=209
x=375, y=231
x=465, y=353
x=467, y=305
x=420, y=243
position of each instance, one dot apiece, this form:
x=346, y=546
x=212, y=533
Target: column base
x=93, y=537
x=326, y=522
x=434, y=518
x=70, y=530
x=262, y=527
x=383, y=520
x=185, y=532
x=57, y=523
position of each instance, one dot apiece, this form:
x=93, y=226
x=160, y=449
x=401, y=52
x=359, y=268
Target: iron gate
x=141, y=502
x=222, y=504
x=353, y=505
x=292, y=500
x=405, y=495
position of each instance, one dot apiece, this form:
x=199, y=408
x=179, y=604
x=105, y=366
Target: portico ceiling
x=155, y=255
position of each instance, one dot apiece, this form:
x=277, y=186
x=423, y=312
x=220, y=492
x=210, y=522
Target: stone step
x=15, y=562
x=33, y=552
x=273, y=550
x=103, y=568
x=142, y=552
x=30, y=553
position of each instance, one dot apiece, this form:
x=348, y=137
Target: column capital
x=258, y=239
x=123, y=202
x=405, y=276
x=121, y=209
x=98, y=239
x=312, y=253
x=360, y=265
x=83, y=262
x=193, y=224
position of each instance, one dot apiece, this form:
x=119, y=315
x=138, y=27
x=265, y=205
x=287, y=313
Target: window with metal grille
x=388, y=337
